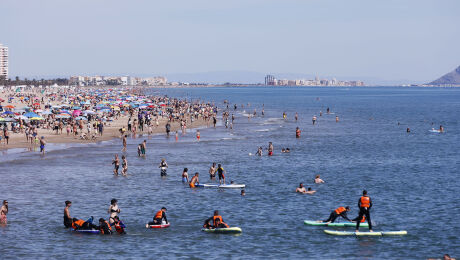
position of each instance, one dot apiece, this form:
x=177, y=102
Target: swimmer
x=177, y=136
x=243, y=193
x=408, y=130
x=441, y=129
x=301, y=189
x=336, y=119
x=259, y=151
x=313, y=120
x=310, y=191
x=297, y=132
x=212, y=171
x=296, y=116
x=185, y=175
x=194, y=181
x=4, y=212
x=318, y=180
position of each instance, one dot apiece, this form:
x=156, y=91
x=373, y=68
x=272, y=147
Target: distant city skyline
x=407, y=41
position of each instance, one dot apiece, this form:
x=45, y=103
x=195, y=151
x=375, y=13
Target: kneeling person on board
x=365, y=205
x=159, y=216
x=341, y=211
x=194, y=180
x=215, y=220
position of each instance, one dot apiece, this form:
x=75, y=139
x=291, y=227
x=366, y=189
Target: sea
x=412, y=178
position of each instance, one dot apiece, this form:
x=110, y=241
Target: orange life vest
x=159, y=214
x=340, y=210
x=77, y=224
x=214, y=220
x=102, y=229
x=365, y=202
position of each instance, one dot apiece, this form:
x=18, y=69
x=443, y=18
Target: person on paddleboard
x=159, y=217
x=217, y=221
x=339, y=212
x=221, y=173
x=365, y=205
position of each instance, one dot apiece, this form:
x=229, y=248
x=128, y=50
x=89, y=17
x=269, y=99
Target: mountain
x=451, y=78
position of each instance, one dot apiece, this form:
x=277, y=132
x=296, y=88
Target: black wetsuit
x=67, y=222
x=334, y=216
x=364, y=212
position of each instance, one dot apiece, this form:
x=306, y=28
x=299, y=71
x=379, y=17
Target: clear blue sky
x=417, y=40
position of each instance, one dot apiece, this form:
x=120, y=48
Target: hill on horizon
x=451, y=78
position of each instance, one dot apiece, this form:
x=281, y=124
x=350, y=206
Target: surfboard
x=337, y=224
x=158, y=226
x=205, y=185
x=230, y=230
x=232, y=186
x=382, y=233
x=88, y=231
x=435, y=131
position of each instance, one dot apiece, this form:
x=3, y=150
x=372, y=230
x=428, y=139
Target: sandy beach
x=41, y=98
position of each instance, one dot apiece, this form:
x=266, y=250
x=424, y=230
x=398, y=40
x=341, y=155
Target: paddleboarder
x=365, y=205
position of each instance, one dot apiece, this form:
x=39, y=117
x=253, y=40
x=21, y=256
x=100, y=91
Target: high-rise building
x=3, y=61
x=269, y=80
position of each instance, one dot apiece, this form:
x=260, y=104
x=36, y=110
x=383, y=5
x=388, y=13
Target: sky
x=411, y=41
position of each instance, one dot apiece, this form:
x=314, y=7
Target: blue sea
x=412, y=178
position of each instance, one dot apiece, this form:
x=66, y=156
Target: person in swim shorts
x=194, y=180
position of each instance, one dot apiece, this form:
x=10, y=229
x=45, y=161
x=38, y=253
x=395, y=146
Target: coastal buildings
x=270, y=80
x=3, y=61
x=117, y=81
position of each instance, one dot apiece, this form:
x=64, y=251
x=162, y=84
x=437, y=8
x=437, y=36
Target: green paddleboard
x=382, y=233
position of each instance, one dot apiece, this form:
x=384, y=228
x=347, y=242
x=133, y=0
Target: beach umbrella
x=2, y=119
x=63, y=116
x=90, y=112
x=8, y=113
x=46, y=112
x=81, y=118
x=9, y=119
x=38, y=111
x=9, y=106
x=37, y=118
x=31, y=114
x=76, y=107
x=76, y=113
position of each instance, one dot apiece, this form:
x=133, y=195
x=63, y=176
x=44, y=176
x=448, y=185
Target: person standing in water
x=67, y=217
x=42, y=145
x=284, y=115
x=314, y=120
x=194, y=181
x=143, y=147
x=318, y=180
x=185, y=175
x=270, y=149
x=259, y=151
x=296, y=116
x=297, y=132
x=212, y=171
x=163, y=166
x=336, y=119
x=124, y=143
x=113, y=210
x=116, y=165
x=177, y=136
x=365, y=205
x=124, y=165
x=221, y=172
x=198, y=135
x=3, y=213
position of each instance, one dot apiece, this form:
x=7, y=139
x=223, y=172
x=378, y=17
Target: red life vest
x=340, y=210
x=365, y=202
